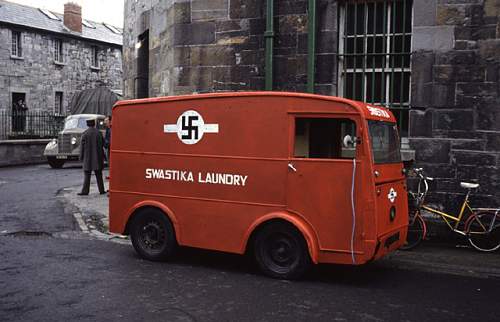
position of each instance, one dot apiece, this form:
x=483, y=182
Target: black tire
x=55, y=163
x=281, y=251
x=479, y=234
x=416, y=231
x=153, y=235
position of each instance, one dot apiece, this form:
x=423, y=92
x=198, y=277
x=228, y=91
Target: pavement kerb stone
x=91, y=213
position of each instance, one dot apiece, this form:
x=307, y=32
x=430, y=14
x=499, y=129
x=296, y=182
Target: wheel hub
x=281, y=251
x=152, y=235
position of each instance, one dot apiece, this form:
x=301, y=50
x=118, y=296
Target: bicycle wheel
x=483, y=231
x=416, y=232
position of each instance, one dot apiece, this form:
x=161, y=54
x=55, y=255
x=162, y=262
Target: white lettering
x=203, y=178
x=375, y=111
x=157, y=173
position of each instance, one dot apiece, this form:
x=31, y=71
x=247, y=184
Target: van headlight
x=73, y=140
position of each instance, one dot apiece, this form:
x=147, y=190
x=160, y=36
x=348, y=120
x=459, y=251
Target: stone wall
x=455, y=124
x=19, y=152
x=218, y=45
x=39, y=77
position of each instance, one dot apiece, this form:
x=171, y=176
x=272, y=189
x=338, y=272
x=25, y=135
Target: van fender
x=168, y=212
x=302, y=225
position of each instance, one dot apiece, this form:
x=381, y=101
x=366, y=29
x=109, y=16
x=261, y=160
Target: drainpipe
x=269, y=36
x=311, y=44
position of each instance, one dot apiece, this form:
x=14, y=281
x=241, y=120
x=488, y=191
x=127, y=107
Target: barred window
x=374, y=54
x=95, y=57
x=17, y=49
x=58, y=51
x=58, y=104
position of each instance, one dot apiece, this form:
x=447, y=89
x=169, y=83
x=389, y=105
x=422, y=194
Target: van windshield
x=385, y=142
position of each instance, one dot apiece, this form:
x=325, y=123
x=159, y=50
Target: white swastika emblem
x=392, y=195
x=190, y=127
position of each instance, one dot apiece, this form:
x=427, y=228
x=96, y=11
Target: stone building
x=46, y=57
x=435, y=63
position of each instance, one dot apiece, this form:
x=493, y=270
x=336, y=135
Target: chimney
x=73, y=17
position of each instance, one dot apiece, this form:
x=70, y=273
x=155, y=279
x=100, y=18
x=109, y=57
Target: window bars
x=58, y=51
x=95, y=57
x=374, y=54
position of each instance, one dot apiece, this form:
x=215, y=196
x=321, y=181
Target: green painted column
x=269, y=36
x=311, y=44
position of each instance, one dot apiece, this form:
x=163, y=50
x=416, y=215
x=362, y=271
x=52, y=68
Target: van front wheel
x=153, y=235
x=281, y=251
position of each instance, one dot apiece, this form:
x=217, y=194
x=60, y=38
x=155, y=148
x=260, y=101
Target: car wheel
x=55, y=163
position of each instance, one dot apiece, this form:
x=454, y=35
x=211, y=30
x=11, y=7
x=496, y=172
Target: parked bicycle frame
x=481, y=227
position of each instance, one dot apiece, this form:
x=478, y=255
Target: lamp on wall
x=138, y=44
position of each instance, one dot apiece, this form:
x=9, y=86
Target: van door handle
x=292, y=167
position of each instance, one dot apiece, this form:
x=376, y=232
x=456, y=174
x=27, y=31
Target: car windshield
x=385, y=142
x=81, y=123
x=74, y=123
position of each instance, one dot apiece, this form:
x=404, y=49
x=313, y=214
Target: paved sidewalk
x=91, y=212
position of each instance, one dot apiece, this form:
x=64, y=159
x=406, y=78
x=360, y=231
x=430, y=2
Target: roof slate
x=17, y=14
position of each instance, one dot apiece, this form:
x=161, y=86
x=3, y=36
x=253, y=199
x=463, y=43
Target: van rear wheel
x=281, y=251
x=153, y=235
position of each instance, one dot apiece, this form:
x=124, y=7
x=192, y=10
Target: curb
x=84, y=218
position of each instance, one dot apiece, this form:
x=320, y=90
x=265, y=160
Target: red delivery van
x=291, y=178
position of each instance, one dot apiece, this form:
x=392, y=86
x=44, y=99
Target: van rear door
x=390, y=183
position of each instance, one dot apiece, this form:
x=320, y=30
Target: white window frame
x=16, y=44
x=58, y=51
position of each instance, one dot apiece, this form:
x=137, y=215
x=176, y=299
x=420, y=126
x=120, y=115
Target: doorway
x=142, y=79
x=19, y=110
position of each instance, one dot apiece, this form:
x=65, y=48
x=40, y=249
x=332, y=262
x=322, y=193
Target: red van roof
x=371, y=112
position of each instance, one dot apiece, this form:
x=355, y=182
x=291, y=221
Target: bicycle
x=481, y=227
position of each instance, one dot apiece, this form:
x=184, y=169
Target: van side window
x=325, y=138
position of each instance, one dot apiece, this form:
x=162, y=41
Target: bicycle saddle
x=468, y=185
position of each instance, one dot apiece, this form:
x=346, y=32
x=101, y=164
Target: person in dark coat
x=92, y=156
x=107, y=135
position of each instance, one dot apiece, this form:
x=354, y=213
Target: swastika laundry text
x=201, y=177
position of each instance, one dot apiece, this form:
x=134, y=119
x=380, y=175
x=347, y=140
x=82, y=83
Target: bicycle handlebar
x=420, y=173
x=423, y=186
